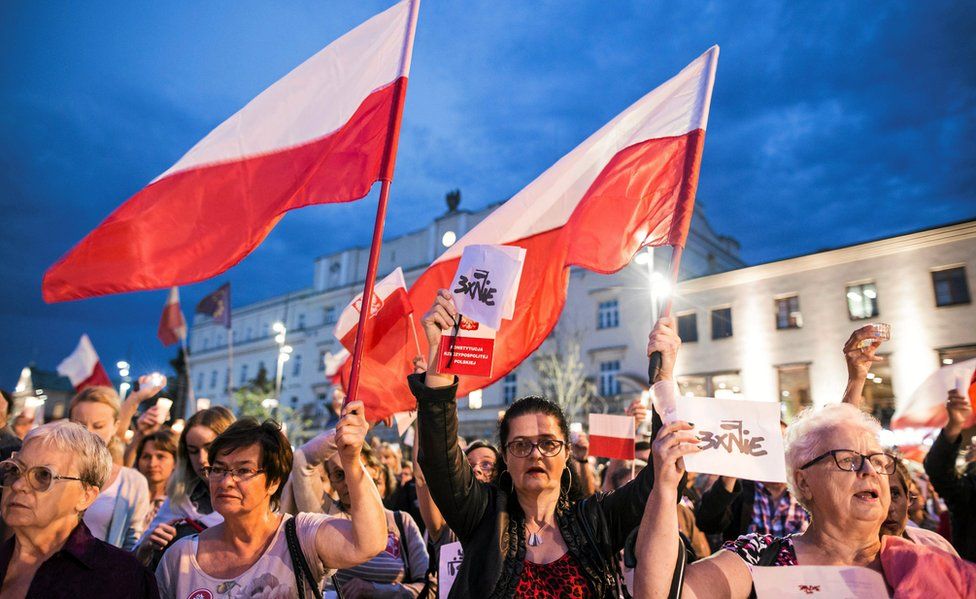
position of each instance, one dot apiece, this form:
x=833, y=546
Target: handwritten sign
x=448, y=567
x=470, y=352
x=739, y=438
x=835, y=582
x=486, y=282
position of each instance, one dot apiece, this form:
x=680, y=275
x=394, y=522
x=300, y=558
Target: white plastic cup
x=962, y=382
x=666, y=405
x=880, y=330
x=164, y=404
x=575, y=428
x=155, y=379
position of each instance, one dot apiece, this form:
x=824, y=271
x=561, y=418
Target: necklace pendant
x=534, y=540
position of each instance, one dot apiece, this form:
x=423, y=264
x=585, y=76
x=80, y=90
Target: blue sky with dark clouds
x=831, y=123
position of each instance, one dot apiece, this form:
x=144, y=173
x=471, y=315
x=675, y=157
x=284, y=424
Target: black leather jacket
x=489, y=523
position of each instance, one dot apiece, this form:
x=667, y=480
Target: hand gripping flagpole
x=654, y=363
x=386, y=177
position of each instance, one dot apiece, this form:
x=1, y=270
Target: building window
x=609, y=385
x=265, y=329
x=788, y=313
x=723, y=385
x=794, y=388
x=688, y=327
x=213, y=379
x=294, y=402
x=296, y=365
x=879, y=396
x=510, y=388
x=206, y=343
x=243, y=374
x=721, y=323
x=862, y=301
x=950, y=286
x=322, y=360
x=301, y=321
x=200, y=381
x=608, y=315
x=330, y=315
x=261, y=368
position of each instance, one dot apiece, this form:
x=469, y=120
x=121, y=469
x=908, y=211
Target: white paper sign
x=486, y=282
x=447, y=568
x=739, y=438
x=835, y=582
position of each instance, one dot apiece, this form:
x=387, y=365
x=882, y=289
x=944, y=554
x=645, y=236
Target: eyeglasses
x=237, y=474
x=486, y=465
x=522, y=448
x=40, y=478
x=852, y=461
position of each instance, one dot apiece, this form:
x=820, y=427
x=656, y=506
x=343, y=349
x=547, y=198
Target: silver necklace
x=534, y=539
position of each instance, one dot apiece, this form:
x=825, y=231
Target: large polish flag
x=172, y=325
x=322, y=134
x=83, y=368
x=926, y=406
x=630, y=184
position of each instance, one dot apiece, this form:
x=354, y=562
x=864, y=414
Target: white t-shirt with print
x=271, y=577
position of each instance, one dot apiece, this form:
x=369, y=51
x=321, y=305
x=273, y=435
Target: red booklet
x=468, y=353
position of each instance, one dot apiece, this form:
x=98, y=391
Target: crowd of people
x=112, y=502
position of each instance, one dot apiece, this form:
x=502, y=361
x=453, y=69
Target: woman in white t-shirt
x=247, y=555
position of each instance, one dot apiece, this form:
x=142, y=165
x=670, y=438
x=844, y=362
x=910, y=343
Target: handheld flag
x=321, y=134
x=612, y=436
x=172, y=325
x=83, y=368
x=630, y=184
x=217, y=305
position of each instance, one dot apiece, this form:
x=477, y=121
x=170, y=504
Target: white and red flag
x=612, y=436
x=83, y=368
x=172, y=325
x=391, y=309
x=629, y=185
x=324, y=133
x=926, y=407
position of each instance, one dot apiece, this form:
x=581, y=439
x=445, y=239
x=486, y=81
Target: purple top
x=85, y=567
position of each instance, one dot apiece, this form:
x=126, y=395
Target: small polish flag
x=172, y=325
x=612, y=436
x=333, y=362
x=390, y=307
x=83, y=368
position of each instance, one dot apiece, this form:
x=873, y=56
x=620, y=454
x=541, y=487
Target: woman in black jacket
x=524, y=534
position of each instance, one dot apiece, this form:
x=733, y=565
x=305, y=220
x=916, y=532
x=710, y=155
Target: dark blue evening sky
x=831, y=123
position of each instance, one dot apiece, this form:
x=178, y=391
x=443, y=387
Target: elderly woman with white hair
x=47, y=486
x=836, y=469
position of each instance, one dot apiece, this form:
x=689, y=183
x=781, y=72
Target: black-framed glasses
x=216, y=473
x=852, y=461
x=40, y=478
x=522, y=448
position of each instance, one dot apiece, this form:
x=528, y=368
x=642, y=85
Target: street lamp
x=126, y=384
x=284, y=353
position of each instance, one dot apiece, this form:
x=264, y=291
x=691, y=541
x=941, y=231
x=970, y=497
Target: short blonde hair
x=804, y=436
x=103, y=395
x=88, y=450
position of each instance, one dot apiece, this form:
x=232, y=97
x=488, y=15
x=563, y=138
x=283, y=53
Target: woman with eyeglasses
x=526, y=533
x=257, y=551
x=47, y=486
x=836, y=469
x=904, y=494
x=187, y=508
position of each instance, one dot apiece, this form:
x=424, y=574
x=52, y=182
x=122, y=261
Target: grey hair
x=805, y=435
x=92, y=457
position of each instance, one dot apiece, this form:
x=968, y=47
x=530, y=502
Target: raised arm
x=304, y=490
x=131, y=404
x=940, y=463
x=344, y=543
x=714, y=513
x=459, y=496
x=859, y=361
x=623, y=507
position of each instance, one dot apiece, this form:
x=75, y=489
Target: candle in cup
x=164, y=404
x=880, y=331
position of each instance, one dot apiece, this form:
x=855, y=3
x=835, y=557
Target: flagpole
x=230, y=368
x=413, y=331
x=654, y=363
x=386, y=178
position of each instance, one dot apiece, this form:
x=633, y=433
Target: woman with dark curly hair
x=528, y=535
